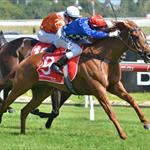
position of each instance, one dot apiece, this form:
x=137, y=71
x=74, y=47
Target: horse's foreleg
x=39, y=93
x=55, y=98
x=58, y=98
x=120, y=91
x=103, y=99
x=40, y=113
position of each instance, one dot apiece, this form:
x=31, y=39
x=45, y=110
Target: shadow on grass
x=9, y=127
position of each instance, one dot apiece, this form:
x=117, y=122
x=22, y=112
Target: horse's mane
x=131, y=23
x=125, y=24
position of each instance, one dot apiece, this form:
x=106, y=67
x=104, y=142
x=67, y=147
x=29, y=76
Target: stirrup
x=55, y=68
x=51, y=49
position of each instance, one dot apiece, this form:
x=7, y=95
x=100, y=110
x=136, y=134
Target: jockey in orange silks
x=53, y=22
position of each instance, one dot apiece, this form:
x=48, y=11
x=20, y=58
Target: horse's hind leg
x=14, y=94
x=39, y=94
x=55, y=98
x=58, y=98
x=120, y=91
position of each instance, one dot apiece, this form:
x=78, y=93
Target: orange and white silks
x=52, y=23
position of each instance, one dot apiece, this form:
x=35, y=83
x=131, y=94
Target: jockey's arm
x=110, y=29
x=86, y=30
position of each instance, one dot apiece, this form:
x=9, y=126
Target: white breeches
x=46, y=37
x=62, y=41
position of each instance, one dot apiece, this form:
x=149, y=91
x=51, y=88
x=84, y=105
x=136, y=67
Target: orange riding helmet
x=97, y=21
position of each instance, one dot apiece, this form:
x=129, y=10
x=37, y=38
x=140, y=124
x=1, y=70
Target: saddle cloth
x=44, y=71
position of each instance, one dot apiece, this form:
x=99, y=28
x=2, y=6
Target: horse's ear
x=128, y=23
x=131, y=24
x=1, y=32
x=119, y=24
x=113, y=22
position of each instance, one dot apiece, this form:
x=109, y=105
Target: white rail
x=141, y=22
x=10, y=37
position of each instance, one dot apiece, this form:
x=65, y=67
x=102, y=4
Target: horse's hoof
x=11, y=110
x=123, y=136
x=22, y=132
x=47, y=125
x=35, y=111
x=147, y=126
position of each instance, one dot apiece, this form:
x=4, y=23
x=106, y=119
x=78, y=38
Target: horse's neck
x=110, y=49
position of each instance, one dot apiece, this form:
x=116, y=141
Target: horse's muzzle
x=146, y=57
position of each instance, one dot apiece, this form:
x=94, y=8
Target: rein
x=133, y=42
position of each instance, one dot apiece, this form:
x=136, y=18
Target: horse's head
x=137, y=41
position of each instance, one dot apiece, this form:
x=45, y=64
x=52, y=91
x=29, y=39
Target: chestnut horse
x=98, y=72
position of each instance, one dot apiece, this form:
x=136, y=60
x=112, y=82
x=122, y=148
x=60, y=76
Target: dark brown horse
x=98, y=72
x=12, y=53
x=3, y=41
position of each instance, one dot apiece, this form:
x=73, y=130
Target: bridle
x=135, y=46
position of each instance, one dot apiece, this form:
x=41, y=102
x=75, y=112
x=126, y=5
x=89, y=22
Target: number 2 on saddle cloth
x=44, y=71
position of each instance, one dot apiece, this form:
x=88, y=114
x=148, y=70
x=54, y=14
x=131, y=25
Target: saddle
x=44, y=70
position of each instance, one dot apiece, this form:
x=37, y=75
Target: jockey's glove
x=113, y=34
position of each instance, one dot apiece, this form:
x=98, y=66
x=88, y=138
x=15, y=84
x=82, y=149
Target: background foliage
x=36, y=9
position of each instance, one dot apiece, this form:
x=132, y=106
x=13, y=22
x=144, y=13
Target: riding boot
x=51, y=49
x=56, y=66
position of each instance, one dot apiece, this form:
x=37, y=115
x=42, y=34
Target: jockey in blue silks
x=76, y=31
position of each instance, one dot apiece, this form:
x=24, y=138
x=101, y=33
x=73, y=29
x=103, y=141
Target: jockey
x=76, y=31
x=53, y=22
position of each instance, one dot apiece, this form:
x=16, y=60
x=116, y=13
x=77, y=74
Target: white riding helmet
x=73, y=12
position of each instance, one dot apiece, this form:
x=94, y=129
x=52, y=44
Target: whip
x=112, y=7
